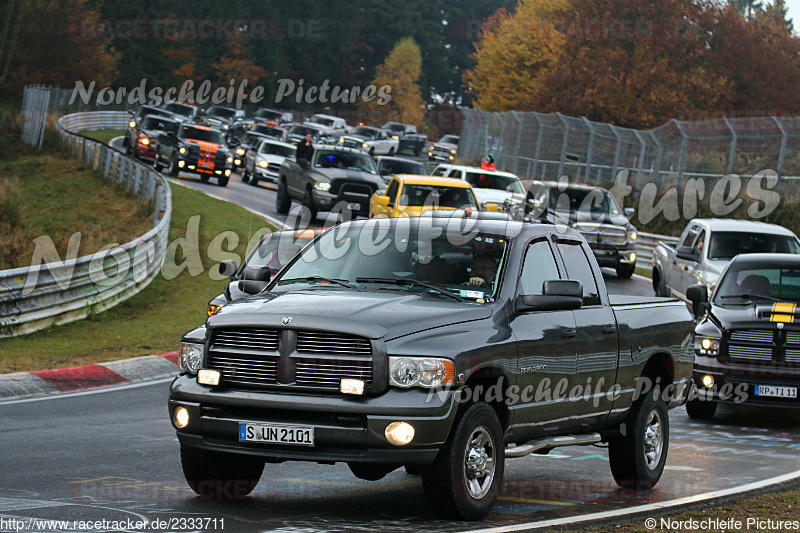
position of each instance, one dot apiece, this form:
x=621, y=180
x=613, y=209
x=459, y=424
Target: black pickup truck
x=409, y=342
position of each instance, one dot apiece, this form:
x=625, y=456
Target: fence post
x=640, y=169
x=782, y=153
x=682, y=156
x=617, y=150
x=659, y=153
x=590, y=148
x=732, y=154
x=515, y=166
x=564, y=140
x=538, y=145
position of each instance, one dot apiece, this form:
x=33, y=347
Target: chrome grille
x=760, y=336
x=352, y=143
x=602, y=233
x=792, y=337
x=792, y=357
x=245, y=369
x=318, y=342
x=751, y=353
x=247, y=339
x=329, y=372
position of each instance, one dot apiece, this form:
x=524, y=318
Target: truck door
x=676, y=267
x=597, y=339
x=546, y=351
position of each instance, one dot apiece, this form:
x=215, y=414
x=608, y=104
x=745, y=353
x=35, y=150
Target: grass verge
x=103, y=135
x=153, y=320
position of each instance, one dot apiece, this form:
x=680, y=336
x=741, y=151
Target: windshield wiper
x=320, y=278
x=405, y=281
x=751, y=296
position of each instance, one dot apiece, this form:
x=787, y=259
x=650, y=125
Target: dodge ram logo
x=286, y=320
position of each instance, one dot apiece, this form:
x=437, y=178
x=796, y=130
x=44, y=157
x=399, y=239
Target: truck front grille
x=255, y=357
x=752, y=335
x=751, y=353
x=602, y=233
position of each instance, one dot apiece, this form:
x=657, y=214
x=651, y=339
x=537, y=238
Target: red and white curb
x=61, y=380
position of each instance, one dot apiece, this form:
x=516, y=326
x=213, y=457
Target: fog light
x=351, y=386
x=237, y=162
x=181, y=417
x=708, y=381
x=208, y=377
x=181, y=164
x=633, y=258
x=227, y=172
x=399, y=433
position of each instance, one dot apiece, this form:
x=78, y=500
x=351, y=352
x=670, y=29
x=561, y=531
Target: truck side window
x=690, y=236
x=391, y=192
x=697, y=248
x=539, y=266
x=579, y=268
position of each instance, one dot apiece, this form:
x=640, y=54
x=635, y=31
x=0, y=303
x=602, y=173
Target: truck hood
x=340, y=173
x=372, y=314
x=562, y=217
x=754, y=315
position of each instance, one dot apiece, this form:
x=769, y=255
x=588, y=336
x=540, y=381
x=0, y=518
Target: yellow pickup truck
x=410, y=196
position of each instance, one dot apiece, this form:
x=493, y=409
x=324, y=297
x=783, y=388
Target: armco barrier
x=36, y=297
x=646, y=243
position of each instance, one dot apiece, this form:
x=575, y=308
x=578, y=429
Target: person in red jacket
x=488, y=163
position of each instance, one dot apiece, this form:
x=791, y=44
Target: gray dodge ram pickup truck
x=415, y=342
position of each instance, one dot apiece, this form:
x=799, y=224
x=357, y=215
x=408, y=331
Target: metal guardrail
x=646, y=243
x=36, y=297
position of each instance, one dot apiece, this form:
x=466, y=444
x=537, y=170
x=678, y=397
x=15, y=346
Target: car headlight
x=341, y=140
x=229, y=159
x=182, y=150
x=191, y=357
x=144, y=140
x=239, y=151
x=707, y=346
x=632, y=235
x=426, y=372
x=454, y=152
x=263, y=164
x=395, y=137
x=132, y=123
x=225, y=127
x=364, y=145
x=430, y=148
x=322, y=186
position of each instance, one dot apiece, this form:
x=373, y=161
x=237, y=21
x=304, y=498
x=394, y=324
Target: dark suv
x=195, y=149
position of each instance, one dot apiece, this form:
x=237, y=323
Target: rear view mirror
x=630, y=211
x=303, y=162
x=558, y=294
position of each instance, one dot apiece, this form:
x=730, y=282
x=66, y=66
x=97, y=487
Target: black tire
x=245, y=175
x=372, y=152
x=220, y=476
x=308, y=203
x=417, y=150
x=391, y=151
x=222, y=181
x=452, y=488
x=128, y=147
x=173, y=166
x=637, y=459
x=625, y=270
x=660, y=286
x=701, y=409
x=204, y=178
x=282, y=200
x=254, y=180
x=157, y=161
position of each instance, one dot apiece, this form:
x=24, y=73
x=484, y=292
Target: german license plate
x=276, y=434
x=776, y=392
x=354, y=206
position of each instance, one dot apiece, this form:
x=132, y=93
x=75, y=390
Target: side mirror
x=257, y=274
x=249, y=286
x=304, y=164
x=228, y=268
x=629, y=211
x=698, y=295
x=687, y=253
x=559, y=294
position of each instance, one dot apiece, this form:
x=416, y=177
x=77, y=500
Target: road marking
x=101, y=390
x=526, y=500
x=650, y=507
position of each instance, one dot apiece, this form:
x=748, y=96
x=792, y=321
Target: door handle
x=568, y=333
x=609, y=329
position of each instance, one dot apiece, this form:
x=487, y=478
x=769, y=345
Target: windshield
x=492, y=181
x=327, y=122
x=277, y=249
x=450, y=260
x=159, y=124
x=389, y=166
x=222, y=112
x=726, y=245
x=252, y=138
x=344, y=160
x=449, y=139
x=276, y=149
x=199, y=134
x=420, y=195
x=368, y=133
x=393, y=126
x=179, y=109
x=779, y=283
x=145, y=111
x=268, y=130
x=303, y=130
x=573, y=199
x=268, y=114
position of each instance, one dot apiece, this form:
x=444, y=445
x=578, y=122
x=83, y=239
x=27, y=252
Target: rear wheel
x=637, y=458
x=659, y=284
x=465, y=479
x=625, y=270
x=701, y=409
x=220, y=476
x=308, y=202
x=282, y=200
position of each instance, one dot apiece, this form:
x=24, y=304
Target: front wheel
x=465, y=479
x=391, y=151
x=222, y=181
x=245, y=175
x=157, y=161
x=220, y=476
x=173, y=167
x=625, y=270
x=637, y=458
x=308, y=202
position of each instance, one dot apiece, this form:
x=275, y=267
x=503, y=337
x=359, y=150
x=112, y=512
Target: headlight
x=707, y=346
x=225, y=127
x=182, y=150
x=145, y=141
x=454, y=152
x=364, y=145
x=191, y=357
x=322, y=186
x=430, y=148
x=230, y=159
x=132, y=123
x=395, y=137
x=341, y=140
x=632, y=235
x=263, y=164
x=420, y=372
x=239, y=151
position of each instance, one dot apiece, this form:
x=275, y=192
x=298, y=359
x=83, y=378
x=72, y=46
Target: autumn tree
x=179, y=57
x=514, y=55
x=400, y=72
x=233, y=65
x=57, y=42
